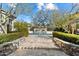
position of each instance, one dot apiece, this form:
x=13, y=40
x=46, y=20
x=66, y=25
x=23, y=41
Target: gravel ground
x=35, y=45
x=38, y=52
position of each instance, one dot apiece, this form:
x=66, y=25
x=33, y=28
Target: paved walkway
x=35, y=45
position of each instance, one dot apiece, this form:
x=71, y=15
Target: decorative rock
x=68, y=48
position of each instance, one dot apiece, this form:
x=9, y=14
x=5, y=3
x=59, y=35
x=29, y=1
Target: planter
x=69, y=48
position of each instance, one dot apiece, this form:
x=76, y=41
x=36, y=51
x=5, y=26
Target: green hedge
x=73, y=38
x=9, y=37
x=22, y=30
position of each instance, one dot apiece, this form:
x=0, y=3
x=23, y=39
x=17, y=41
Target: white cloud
x=51, y=6
x=40, y=5
x=12, y=4
x=48, y=6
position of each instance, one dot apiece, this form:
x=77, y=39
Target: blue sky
x=62, y=6
x=36, y=7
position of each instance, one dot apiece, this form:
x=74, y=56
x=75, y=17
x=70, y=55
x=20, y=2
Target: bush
x=22, y=30
x=22, y=27
x=73, y=38
x=59, y=29
x=49, y=29
x=9, y=37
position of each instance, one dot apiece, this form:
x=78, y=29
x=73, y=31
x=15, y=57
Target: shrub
x=22, y=27
x=59, y=29
x=73, y=38
x=9, y=37
x=22, y=30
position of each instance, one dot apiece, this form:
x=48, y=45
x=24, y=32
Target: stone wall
x=68, y=48
x=9, y=47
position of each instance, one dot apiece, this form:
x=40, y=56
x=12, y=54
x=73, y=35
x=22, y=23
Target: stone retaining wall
x=9, y=47
x=68, y=48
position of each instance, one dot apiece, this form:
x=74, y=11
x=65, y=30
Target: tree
x=22, y=27
x=65, y=18
x=41, y=18
x=58, y=20
x=24, y=8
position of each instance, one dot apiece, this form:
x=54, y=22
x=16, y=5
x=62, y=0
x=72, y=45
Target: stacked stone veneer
x=9, y=47
x=69, y=48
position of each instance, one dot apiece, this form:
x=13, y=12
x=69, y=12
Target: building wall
x=5, y=22
x=3, y=25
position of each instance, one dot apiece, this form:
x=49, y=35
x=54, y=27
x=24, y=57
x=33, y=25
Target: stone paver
x=35, y=45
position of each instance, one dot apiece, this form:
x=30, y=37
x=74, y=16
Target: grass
x=73, y=38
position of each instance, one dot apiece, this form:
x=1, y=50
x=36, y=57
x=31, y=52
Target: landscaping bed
x=8, y=47
x=69, y=43
x=9, y=37
x=9, y=42
x=73, y=38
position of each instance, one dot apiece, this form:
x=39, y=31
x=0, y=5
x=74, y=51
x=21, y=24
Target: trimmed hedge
x=9, y=37
x=22, y=30
x=73, y=38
